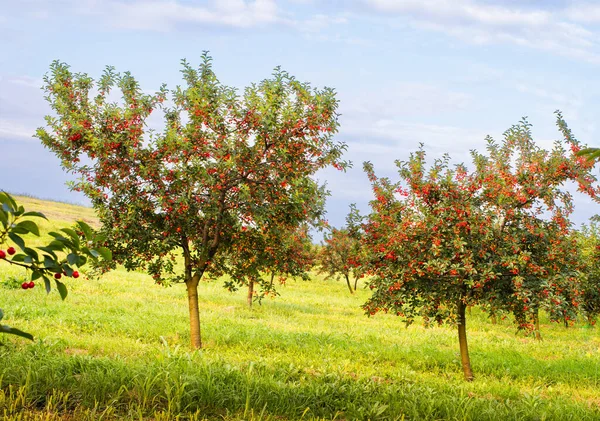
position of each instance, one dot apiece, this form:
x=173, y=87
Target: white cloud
x=464, y=10
x=584, y=12
x=10, y=129
x=557, y=100
x=165, y=15
x=484, y=23
x=318, y=22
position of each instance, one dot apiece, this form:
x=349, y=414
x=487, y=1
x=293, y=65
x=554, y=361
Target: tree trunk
x=272, y=280
x=462, y=340
x=250, y=292
x=536, y=323
x=192, y=290
x=348, y=283
x=565, y=319
x=494, y=319
x=355, y=283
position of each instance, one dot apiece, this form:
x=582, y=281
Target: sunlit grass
x=118, y=348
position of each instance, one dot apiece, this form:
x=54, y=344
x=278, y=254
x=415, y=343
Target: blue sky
x=442, y=72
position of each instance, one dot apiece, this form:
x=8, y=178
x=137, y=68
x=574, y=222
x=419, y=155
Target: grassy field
x=117, y=348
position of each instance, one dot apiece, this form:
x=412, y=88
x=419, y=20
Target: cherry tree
x=224, y=162
x=444, y=237
x=259, y=258
x=339, y=257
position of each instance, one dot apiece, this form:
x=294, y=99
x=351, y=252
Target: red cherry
x=57, y=276
x=11, y=250
x=25, y=285
x=31, y=284
x=75, y=274
x=2, y=254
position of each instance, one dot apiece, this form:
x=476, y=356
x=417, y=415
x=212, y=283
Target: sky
x=444, y=73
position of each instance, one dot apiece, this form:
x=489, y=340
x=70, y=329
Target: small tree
x=284, y=255
x=339, y=257
x=589, y=245
x=444, y=238
x=70, y=249
x=224, y=161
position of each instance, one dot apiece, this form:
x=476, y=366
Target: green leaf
x=67, y=270
x=8, y=203
x=57, y=245
x=13, y=331
x=30, y=226
x=17, y=240
x=3, y=218
x=58, y=236
x=19, y=230
x=73, y=258
x=36, y=214
x=105, y=253
x=50, y=251
x=47, y=284
x=36, y=275
x=62, y=289
x=18, y=257
x=1, y=314
x=31, y=252
x=87, y=230
x=71, y=233
x=50, y=263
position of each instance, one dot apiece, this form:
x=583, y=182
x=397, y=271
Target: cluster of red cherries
x=27, y=285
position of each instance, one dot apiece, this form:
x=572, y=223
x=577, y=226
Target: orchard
x=227, y=187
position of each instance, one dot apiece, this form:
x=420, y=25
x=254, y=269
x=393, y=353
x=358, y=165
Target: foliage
x=592, y=154
x=589, y=245
x=70, y=249
x=445, y=238
x=282, y=255
x=224, y=161
x=340, y=256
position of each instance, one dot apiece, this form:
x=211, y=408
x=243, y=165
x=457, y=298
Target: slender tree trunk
x=494, y=319
x=348, y=283
x=192, y=290
x=536, y=323
x=565, y=319
x=355, y=283
x=250, y=292
x=272, y=280
x=462, y=340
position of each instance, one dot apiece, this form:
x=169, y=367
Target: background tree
x=339, y=257
x=443, y=238
x=69, y=250
x=223, y=161
x=258, y=259
x=589, y=244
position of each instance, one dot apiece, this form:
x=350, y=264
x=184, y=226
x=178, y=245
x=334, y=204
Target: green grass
x=117, y=348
